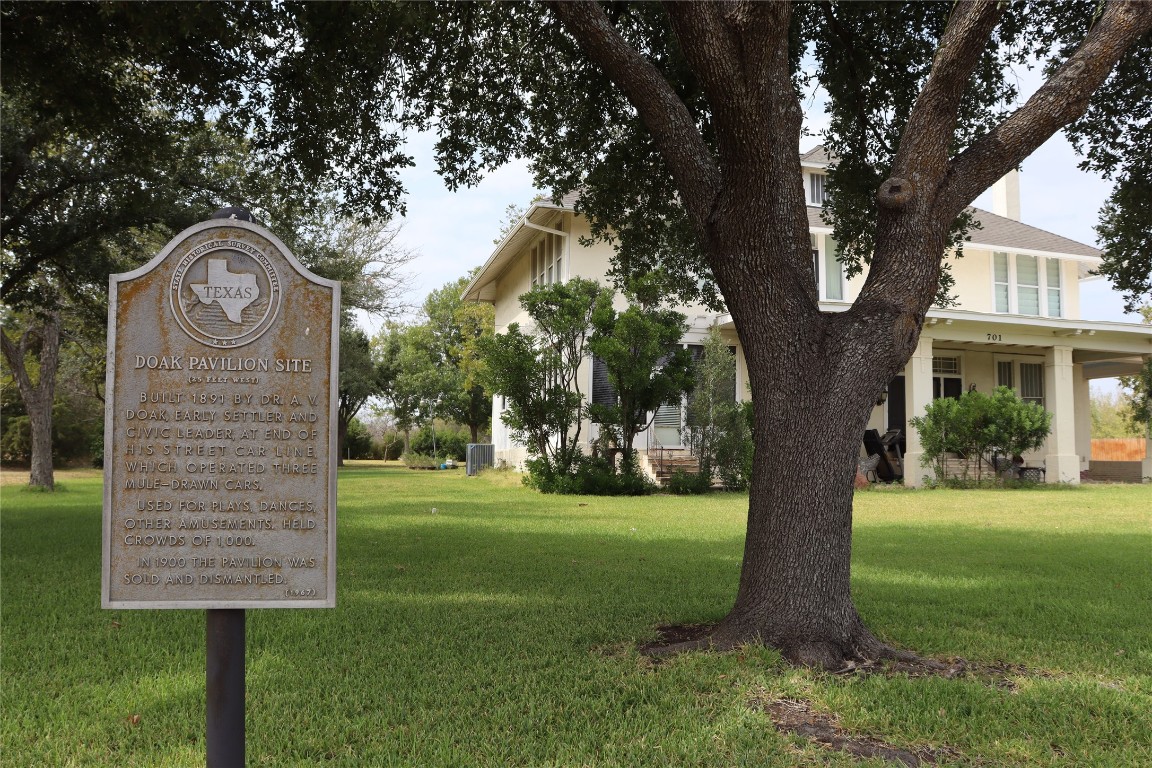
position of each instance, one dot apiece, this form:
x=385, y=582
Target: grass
x=500, y=631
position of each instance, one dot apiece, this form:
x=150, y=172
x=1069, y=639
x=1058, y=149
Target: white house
x=1018, y=323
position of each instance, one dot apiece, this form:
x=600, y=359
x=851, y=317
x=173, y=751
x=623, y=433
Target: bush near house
x=980, y=427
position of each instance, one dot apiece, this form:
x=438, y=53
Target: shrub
x=735, y=450
x=451, y=441
x=591, y=476
x=689, y=483
x=981, y=427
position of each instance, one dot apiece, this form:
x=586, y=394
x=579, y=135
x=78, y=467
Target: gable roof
x=520, y=236
x=815, y=156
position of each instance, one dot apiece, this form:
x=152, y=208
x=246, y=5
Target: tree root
x=864, y=655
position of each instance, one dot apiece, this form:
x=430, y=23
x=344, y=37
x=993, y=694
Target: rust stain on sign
x=220, y=427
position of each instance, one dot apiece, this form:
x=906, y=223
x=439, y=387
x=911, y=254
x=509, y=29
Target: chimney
x=1006, y=196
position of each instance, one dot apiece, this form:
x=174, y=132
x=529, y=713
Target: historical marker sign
x=220, y=427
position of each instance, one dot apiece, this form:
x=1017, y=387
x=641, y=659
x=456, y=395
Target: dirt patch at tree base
x=674, y=635
x=1002, y=675
x=797, y=717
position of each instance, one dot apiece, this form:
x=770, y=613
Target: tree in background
x=368, y=260
x=640, y=350
x=1138, y=408
x=77, y=407
x=360, y=379
x=1108, y=408
x=79, y=205
x=536, y=372
x=364, y=254
x=457, y=326
x=411, y=378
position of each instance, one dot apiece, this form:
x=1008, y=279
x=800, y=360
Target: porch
x=1049, y=361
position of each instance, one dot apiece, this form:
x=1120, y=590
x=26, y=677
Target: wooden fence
x=1119, y=449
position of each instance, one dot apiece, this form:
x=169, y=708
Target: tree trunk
x=38, y=397
x=814, y=378
x=795, y=591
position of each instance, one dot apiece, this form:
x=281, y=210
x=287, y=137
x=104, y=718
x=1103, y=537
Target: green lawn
x=501, y=631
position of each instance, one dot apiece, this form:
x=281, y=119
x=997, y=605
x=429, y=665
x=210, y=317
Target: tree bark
x=38, y=397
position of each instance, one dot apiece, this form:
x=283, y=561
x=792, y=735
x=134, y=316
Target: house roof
x=483, y=286
x=1000, y=233
x=993, y=233
x=815, y=156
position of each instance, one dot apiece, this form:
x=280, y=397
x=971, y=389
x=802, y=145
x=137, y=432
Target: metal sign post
x=224, y=687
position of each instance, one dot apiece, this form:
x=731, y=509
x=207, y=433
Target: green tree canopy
x=457, y=327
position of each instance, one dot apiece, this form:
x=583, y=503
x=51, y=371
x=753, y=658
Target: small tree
x=456, y=327
x=1138, y=391
x=645, y=366
x=717, y=429
x=537, y=372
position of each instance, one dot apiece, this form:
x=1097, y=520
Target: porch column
x=1146, y=465
x=917, y=397
x=1062, y=461
x=1082, y=391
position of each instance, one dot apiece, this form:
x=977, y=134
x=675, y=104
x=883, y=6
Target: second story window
x=816, y=194
x=548, y=260
x=1026, y=285
x=827, y=268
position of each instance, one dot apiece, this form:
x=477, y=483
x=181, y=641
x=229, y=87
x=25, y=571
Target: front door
x=897, y=413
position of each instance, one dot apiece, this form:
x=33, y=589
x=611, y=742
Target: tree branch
x=1063, y=98
x=931, y=126
x=740, y=53
x=666, y=117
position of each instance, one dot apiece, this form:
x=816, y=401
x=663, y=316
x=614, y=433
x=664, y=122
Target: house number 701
x=995, y=337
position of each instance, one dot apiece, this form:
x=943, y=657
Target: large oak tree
x=680, y=125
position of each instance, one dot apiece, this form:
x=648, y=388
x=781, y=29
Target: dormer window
x=816, y=194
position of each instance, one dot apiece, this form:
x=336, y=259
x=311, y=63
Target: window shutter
x=603, y=393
